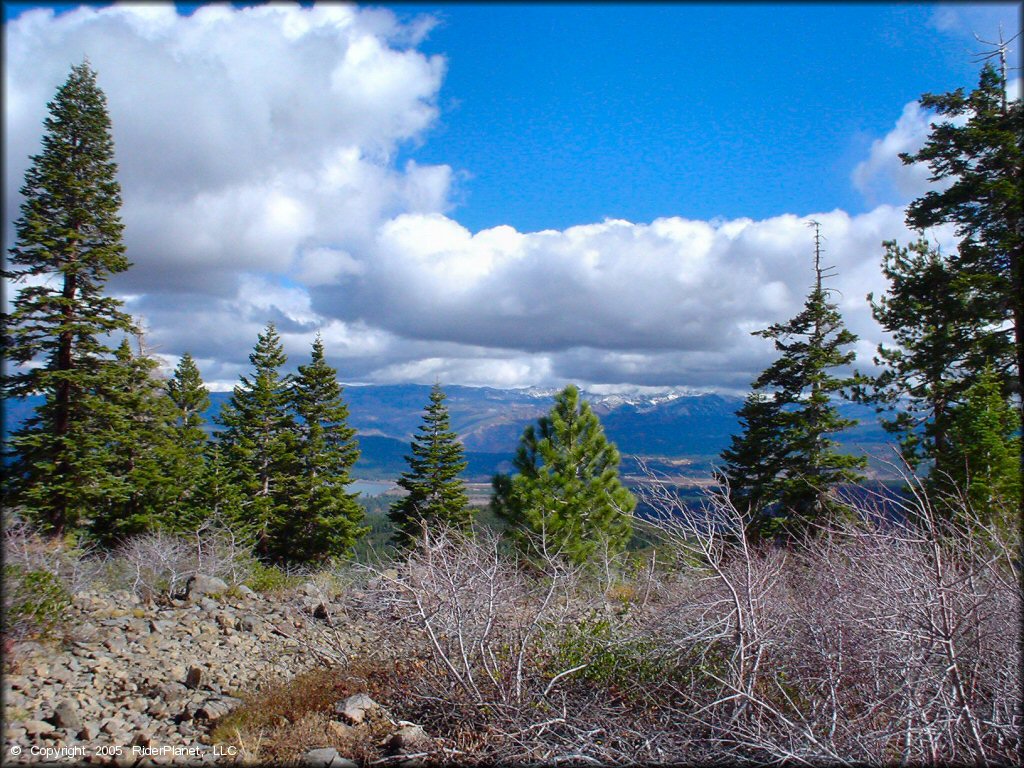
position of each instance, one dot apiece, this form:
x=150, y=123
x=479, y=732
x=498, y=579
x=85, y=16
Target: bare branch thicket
x=76, y=567
x=891, y=638
x=493, y=637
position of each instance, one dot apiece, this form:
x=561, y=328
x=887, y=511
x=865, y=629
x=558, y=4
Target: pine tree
x=937, y=353
x=978, y=152
x=985, y=453
x=566, y=491
x=68, y=243
x=135, y=420
x=784, y=467
x=436, y=494
x=190, y=399
x=258, y=436
x=323, y=518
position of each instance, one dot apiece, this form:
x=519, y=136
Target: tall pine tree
x=566, y=493
x=323, y=518
x=436, y=494
x=258, y=437
x=977, y=152
x=68, y=243
x=784, y=466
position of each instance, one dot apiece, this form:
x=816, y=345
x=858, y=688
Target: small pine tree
x=258, y=436
x=69, y=241
x=323, y=518
x=190, y=398
x=985, y=452
x=783, y=468
x=566, y=490
x=436, y=494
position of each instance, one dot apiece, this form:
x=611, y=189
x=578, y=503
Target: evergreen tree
x=985, y=452
x=135, y=422
x=190, y=398
x=938, y=349
x=784, y=466
x=978, y=153
x=258, y=436
x=566, y=489
x=68, y=243
x=436, y=494
x=323, y=518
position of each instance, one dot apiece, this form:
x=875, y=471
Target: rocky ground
x=131, y=681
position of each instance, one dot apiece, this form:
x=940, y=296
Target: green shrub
x=614, y=662
x=34, y=601
x=268, y=578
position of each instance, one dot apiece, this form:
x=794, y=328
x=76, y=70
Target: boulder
x=409, y=738
x=326, y=758
x=355, y=709
x=36, y=727
x=201, y=585
x=66, y=716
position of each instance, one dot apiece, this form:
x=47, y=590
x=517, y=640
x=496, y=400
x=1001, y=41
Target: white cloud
x=244, y=136
x=883, y=176
x=257, y=155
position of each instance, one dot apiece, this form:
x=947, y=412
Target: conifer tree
x=937, y=352
x=323, y=518
x=135, y=419
x=190, y=399
x=258, y=437
x=70, y=233
x=977, y=152
x=566, y=490
x=784, y=466
x=436, y=494
x=985, y=453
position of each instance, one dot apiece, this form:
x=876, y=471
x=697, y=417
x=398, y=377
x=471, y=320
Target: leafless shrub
x=161, y=563
x=517, y=660
x=73, y=566
x=894, y=638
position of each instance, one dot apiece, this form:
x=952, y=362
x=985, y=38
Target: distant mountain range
x=685, y=429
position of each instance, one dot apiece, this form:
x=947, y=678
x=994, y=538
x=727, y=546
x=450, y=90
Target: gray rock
x=250, y=623
x=201, y=584
x=244, y=591
x=113, y=725
x=356, y=708
x=36, y=727
x=208, y=605
x=326, y=758
x=408, y=738
x=89, y=732
x=66, y=716
x=309, y=589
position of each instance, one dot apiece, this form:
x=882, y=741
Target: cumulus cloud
x=883, y=176
x=243, y=135
x=257, y=149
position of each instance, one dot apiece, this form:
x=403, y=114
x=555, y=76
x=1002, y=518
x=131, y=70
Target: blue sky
x=568, y=114
x=500, y=194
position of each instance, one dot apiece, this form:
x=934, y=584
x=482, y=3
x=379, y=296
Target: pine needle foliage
x=258, y=438
x=69, y=241
x=566, y=495
x=322, y=519
x=782, y=469
x=436, y=493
